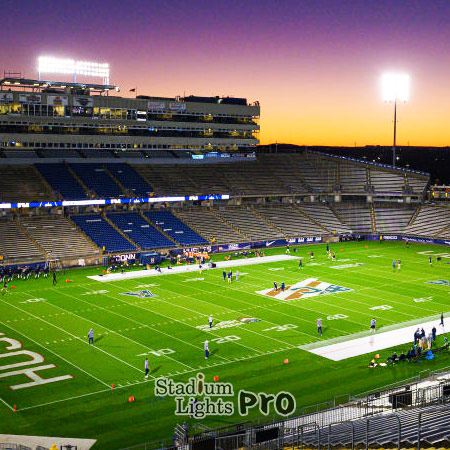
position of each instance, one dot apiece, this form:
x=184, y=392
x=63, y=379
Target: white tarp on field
x=189, y=268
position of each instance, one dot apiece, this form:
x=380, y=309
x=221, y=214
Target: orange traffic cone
x=15, y=408
x=216, y=378
x=286, y=361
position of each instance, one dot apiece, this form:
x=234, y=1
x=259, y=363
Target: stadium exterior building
x=58, y=119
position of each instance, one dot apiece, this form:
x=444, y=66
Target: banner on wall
x=175, y=106
x=85, y=102
x=57, y=100
x=156, y=106
x=30, y=98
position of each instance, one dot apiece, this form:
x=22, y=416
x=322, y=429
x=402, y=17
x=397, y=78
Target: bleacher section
x=97, y=179
x=62, y=181
x=290, y=221
x=325, y=216
x=175, y=228
x=430, y=221
x=23, y=184
x=352, y=177
x=102, y=233
x=209, y=225
x=130, y=179
x=356, y=217
x=140, y=231
x=390, y=220
x=58, y=237
x=15, y=246
x=248, y=223
x=168, y=180
x=386, y=181
x=285, y=171
x=383, y=430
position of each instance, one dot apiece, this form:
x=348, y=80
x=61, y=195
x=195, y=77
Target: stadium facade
x=60, y=119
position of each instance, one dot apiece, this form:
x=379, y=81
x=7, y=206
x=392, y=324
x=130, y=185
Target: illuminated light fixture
x=395, y=88
x=48, y=64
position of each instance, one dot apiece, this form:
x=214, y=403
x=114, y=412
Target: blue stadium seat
x=175, y=228
x=140, y=231
x=97, y=179
x=62, y=181
x=130, y=179
x=102, y=233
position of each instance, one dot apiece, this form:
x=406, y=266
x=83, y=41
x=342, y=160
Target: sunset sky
x=314, y=65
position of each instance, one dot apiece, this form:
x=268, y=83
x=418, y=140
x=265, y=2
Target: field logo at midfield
x=440, y=282
x=303, y=289
x=228, y=323
x=145, y=293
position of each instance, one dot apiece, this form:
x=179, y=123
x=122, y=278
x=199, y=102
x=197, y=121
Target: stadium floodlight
x=48, y=64
x=395, y=88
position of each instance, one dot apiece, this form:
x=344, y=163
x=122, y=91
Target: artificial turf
x=54, y=321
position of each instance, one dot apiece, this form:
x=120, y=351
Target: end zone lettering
x=29, y=372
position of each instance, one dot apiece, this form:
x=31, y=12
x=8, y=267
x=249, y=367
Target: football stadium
x=169, y=282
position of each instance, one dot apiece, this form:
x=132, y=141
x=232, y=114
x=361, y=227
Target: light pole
x=395, y=87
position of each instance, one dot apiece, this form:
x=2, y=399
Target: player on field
x=312, y=256
x=373, y=324
x=399, y=264
x=200, y=268
x=91, y=336
x=5, y=288
x=328, y=248
x=55, y=281
x=393, y=265
x=224, y=274
x=210, y=321
x=275, y=286
x=282, y=286
x=237, y=275
x=429, y=259
x=442, y=320
x=319, y=326
x=147, y=370
x=229, y=276
x=288, y=250
x=206, y=349
x=300, y=263
x=334, y=257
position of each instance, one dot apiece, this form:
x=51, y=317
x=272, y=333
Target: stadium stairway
x=124, y=235
x=114, y=178
x=86, y=190
x=268, y=222
x=31, y=238
x=303, y=213
x=190, y=226
x=229, y=224
x=414, y=216
x=338, y=217
x=82, y=233
x=158, y=228
x=373, y=220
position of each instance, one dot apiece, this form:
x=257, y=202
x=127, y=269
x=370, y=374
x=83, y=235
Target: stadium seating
x=140, y=231
x=23, y=184
x=130, y=179
x=391, y=220
x=383, y=429
x=15, y=246
x=324, y=215
x=62, y=181
x=355, y=217
x=387, y=181
x=58, y=237
x=97, y=179
x=290, y=221
x=102, y=233
x=168, y=180
x=352, y=177
x=208, y=224
x=249, y=224
x=430, y=221
x=175, y=228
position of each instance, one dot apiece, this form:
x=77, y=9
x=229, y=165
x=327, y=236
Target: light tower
x=395, y=87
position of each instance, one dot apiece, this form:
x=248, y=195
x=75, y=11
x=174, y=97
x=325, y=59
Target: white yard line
x=189, y=268
x=372, y=343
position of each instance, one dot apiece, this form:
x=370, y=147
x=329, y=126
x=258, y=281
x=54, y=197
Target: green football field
x=167, y=326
